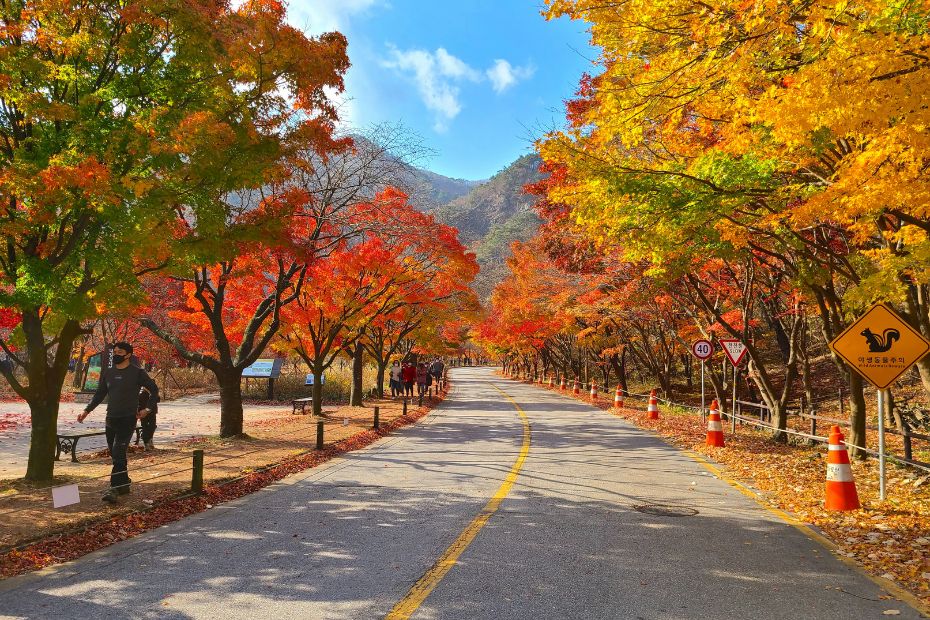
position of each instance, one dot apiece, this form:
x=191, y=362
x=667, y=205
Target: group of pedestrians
x=405, y=374
x=133, y=398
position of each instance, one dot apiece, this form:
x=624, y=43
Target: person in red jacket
x=409, y=374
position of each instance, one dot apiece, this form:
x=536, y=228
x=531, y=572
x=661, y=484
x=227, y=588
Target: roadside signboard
x=735, y=349
x=309, y=380
x=702, y=349
x=880, y=346
x=92, y=376
x=264, y=369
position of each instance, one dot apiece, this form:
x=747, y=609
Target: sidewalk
x=184, y=418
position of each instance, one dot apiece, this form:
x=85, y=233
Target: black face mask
x=119, y=359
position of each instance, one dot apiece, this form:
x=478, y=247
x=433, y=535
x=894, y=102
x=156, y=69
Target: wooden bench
x=301, y=403
x=67, y=442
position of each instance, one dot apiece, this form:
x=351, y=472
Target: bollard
x=377, y=420
x=197, y=472
x=431, y=393
x=420, y=402
x=319, y=435
x=405, y=407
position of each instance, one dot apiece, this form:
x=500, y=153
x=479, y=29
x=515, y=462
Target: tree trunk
x=358, y=359
x=230, y=382
x=382, y=366
x=856, y=415
x=77, y=381
x=317, y=391
x=44, y=391
x=44, y=416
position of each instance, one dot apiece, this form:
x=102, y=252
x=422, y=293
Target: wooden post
x=197, y=472
x=377, y=423
x=319, y=435
x=405, y=407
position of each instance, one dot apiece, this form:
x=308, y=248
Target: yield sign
x=735, y=349
x=880, y=346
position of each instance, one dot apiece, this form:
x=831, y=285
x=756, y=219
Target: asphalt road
x=578, y=535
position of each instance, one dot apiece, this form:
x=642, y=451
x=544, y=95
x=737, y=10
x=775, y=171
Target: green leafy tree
x=123, y=125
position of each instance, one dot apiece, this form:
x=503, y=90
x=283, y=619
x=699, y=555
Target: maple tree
x=726, y=131
x=120, y=120
x=401, y=262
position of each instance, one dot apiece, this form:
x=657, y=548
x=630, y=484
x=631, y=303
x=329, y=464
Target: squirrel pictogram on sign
x=880, y=344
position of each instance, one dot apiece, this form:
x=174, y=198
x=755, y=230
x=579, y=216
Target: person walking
x=436, y=370
x=409, y=374
x=397, y=382
x=422, y=378
x=122, y=383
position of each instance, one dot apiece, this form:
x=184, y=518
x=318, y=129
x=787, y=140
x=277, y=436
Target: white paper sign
x=65, y=495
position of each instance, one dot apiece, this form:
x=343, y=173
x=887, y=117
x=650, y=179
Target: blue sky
x=477, y=80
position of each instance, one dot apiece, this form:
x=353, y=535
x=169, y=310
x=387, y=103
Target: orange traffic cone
x=594, y=391
x=652, y=413
x=618, y=398
x=564, y=385
x=577, y=389
x=714, y=427
x=551, y=382
x=841, y=488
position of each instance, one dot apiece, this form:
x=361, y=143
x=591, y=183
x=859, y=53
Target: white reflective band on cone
x=836, y=448
x=715, y=426
x=839, y=472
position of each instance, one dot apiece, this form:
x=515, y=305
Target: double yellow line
x=431, y=578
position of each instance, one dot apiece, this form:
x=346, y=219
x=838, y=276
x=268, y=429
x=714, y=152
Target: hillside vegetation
x=493, y=215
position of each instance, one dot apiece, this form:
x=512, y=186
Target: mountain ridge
x=492, y=215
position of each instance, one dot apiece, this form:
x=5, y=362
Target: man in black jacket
x=122, y=384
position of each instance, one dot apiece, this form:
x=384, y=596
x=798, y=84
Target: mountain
x=493, y=215
x=436, y=190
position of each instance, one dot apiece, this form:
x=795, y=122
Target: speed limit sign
x=702, y=349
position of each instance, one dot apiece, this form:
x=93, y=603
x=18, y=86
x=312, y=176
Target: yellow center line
x=431, y=578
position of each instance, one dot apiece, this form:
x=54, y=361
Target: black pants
x=119, y=433
x=408, y=388
x=148, y=427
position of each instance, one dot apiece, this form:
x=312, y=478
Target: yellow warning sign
x=880, y=346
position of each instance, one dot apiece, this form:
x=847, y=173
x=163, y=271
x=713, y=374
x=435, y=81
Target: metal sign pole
x=703, y=409
x=881, y=444
x=733, y=406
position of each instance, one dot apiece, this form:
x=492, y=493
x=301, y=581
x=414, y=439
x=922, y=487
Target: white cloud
x=451, y=66
x=319, y=16
x=503, y=75
x=436, y=75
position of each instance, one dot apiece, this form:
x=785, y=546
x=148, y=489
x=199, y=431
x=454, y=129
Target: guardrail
x=765, y=421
